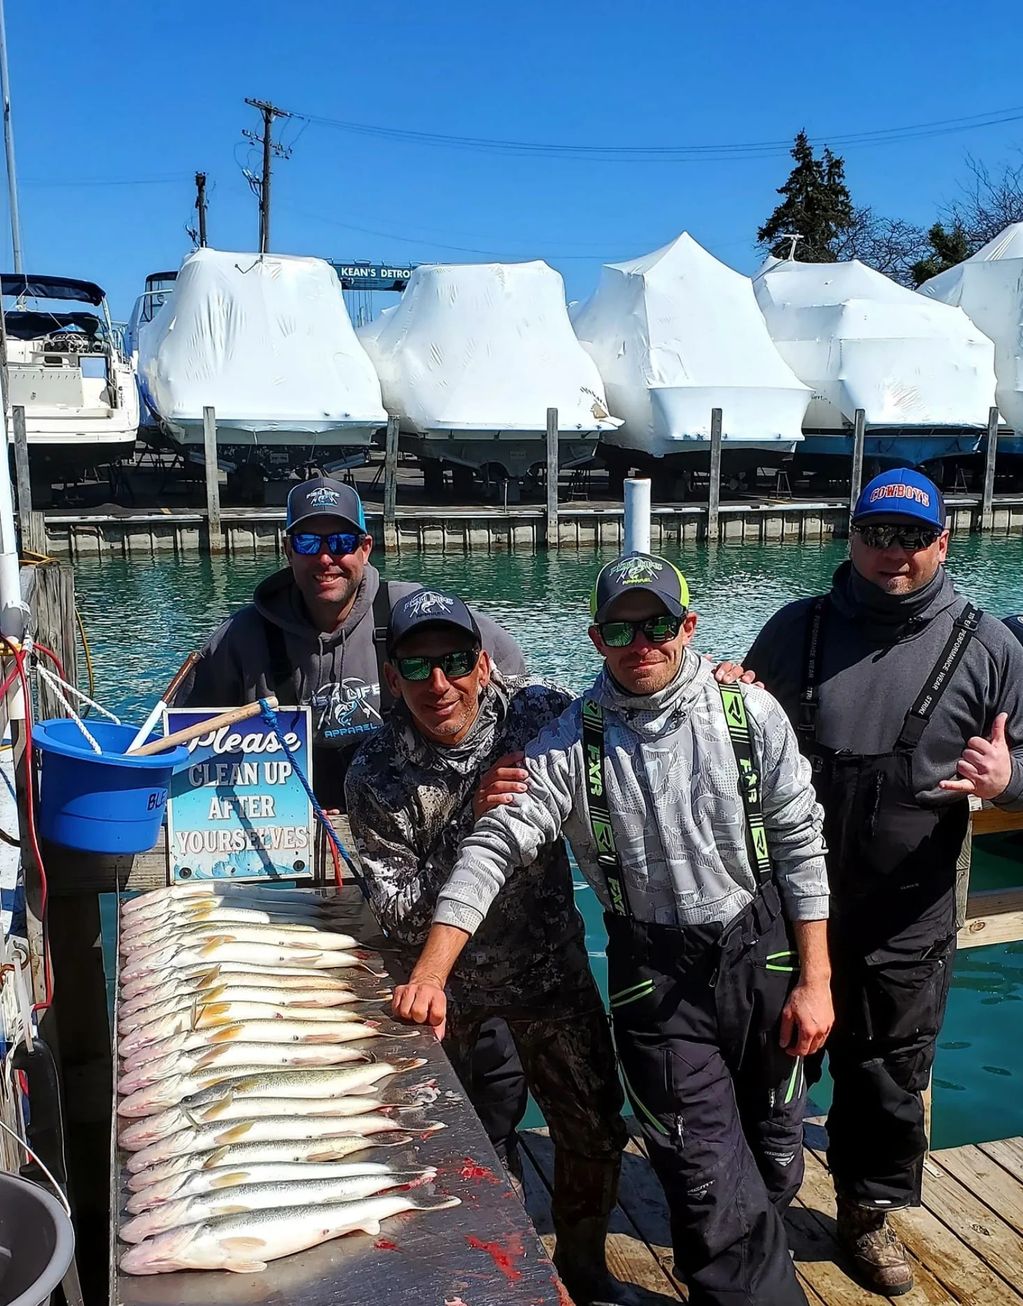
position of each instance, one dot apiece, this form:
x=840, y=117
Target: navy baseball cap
x=428, y=607
x=325, y=497
x=640, y=571
x=900, y=493
x=1015, y=625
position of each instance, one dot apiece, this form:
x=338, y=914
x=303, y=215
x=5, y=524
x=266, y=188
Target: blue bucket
x=101, y=802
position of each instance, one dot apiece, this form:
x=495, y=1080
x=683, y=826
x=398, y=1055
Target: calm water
x=142, y=617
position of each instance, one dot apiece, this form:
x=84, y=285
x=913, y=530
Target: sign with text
x=373, y=276
x=237, y=811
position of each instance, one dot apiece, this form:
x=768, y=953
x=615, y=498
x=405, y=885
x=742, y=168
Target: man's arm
x=807, y=1017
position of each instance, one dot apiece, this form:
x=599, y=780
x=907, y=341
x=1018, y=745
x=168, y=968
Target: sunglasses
x=310, y=545
x=658, y=630
x=454, y=665
x=912, y=538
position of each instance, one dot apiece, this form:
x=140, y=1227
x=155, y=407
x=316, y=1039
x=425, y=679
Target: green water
x=142, y=617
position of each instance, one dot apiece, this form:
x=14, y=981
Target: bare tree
x=990, y=203
x=888, y=245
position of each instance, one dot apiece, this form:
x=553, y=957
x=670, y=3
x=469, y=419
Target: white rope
x=55, y=684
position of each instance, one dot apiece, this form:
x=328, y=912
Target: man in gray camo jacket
x=414, y=791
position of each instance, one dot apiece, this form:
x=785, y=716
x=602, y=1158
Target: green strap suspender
x=594, y=757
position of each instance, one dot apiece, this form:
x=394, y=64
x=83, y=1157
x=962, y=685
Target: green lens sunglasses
x=658, y=630
x=454, y=665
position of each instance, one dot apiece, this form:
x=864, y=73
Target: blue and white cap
x=429, y=607
x=900, y=493
x=325, y=497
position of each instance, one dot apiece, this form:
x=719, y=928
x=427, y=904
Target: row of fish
x=246, y=1083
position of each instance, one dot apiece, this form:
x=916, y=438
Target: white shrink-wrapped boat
x=474, y=355
x=66, y=368
x=921, y=371
x=988, y=287
x=676, y=334
x=265, y=339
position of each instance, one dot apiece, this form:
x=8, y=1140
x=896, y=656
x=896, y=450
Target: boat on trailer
x=67, y=368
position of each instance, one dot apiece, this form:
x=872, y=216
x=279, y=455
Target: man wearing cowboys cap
x=314, y=634
x=690, y=812
x=414, y=790
x=907, y=700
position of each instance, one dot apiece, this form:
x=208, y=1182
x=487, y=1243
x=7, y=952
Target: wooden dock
x=966, y=1241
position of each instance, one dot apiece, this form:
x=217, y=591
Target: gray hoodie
x=335, y=673
x=673, y=793
x=878, y=652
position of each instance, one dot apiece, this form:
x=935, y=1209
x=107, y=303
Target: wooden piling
x=215, y=535
x=551, y=533
x=856, y=476
x=391, y=486
x=714, y=490
x=33, y=527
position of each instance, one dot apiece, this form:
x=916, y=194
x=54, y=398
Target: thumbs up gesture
x=985, y=767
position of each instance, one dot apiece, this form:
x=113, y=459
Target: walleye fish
x=203, y=1086
x=133, y=1013
x=229, y=972
x=261, y=1197
x=295, y=1151
x=227, y=909
x=201, y=1138
x=140, y=1133
x=260, y=1031
x=208, y=951
x=202, y=1015
x=247, y=1243
x=177, y=893
x=239, y=1054
x=290, y=936
x=194, y=1184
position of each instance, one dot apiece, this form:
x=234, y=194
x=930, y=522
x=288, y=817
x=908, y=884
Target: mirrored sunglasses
x=454, y=665
x=310, y=545
x=912, y=538
x=658, y=630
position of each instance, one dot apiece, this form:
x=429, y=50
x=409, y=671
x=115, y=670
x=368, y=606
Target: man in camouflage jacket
x=413, y=792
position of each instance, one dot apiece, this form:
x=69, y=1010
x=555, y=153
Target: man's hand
x=727, y=673
x=422, y=1002
x=502, y=782
x=806, y=1019
x=985, y=767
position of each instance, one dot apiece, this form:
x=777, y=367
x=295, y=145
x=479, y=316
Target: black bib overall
x=892, y=869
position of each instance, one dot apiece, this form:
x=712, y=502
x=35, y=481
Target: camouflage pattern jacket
x=410, y=806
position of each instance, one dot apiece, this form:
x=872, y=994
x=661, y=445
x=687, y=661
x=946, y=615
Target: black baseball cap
x=429, y=607
x=1015, y=625
x=325, y=497
x=644, y=572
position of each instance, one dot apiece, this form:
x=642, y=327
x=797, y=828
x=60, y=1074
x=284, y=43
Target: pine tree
x=817, y=206
x=949, y=246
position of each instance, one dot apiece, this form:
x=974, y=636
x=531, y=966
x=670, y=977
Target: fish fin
x=213, y=1159
x=442, y=1205
x=211, y=1011
x=414, y=1033
x=243, y=1254
x=206, y=1058
x=241, y=1130
x=408, y=1063
x=231, y=1180
x=210, y=1111
x=212, y=943
x=372, y=1227
x=377, y=974
x=326, y=1037
x=227, y=1033
x=239, y=1208
x=211, y=976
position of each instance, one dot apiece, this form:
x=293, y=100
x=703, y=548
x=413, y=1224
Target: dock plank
x=998, y=1188
x=976, y=1225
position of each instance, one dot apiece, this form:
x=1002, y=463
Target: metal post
x=990, y=454
x=714, y=492
x=637, y=515
x=213, y=528
x=856, y=476
x=12, y=179
x=391, y=486
x=552, y=478
x=33, y=532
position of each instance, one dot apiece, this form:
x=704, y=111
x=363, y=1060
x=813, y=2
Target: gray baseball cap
x=325, y=497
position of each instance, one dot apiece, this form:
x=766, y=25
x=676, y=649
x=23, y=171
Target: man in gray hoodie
x=906, y=700
x=691, y=813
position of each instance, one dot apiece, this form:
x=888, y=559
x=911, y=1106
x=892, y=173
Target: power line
x=681, y=153
x=71, y=183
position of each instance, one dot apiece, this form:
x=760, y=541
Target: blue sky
x=145, y=93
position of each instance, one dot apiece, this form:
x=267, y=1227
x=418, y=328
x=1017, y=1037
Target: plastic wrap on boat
x=266, y=340
x=676, y=334
x=476, y=349
x=988, y=287
x=859, y=340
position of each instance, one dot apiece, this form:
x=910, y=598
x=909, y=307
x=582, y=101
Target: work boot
x=579, y=1260
x=879, y=1256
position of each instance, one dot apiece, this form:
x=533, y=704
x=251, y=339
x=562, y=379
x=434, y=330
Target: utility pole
x=200, y=204
x=262, y=186
x=12, y=183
